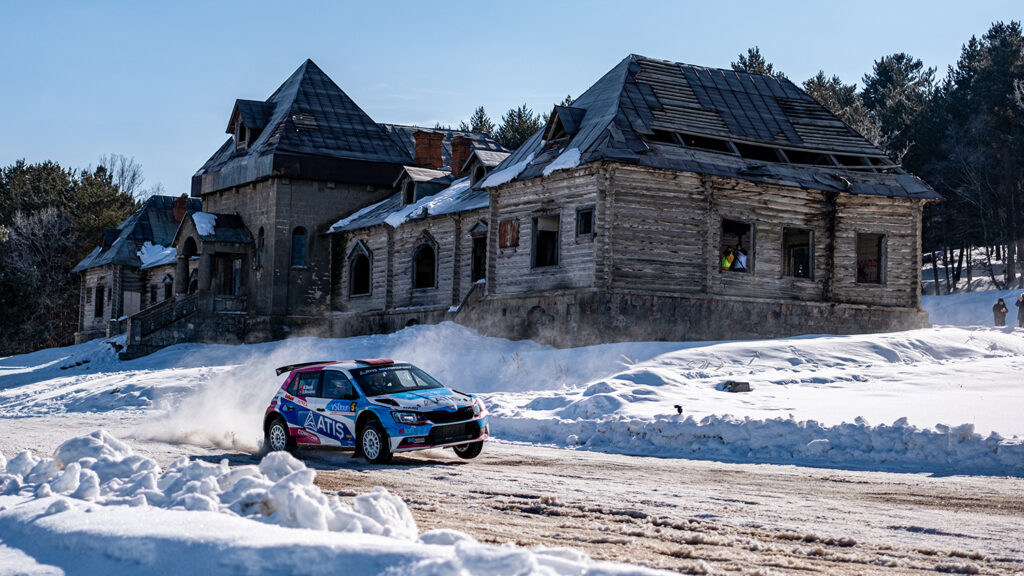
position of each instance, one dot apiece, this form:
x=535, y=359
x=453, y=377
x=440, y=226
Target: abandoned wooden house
x=667, y=202
x=133, y=269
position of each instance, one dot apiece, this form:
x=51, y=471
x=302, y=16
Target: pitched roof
x=676, y=116
x=153, y=222
x=459, y=197
x=308, y=116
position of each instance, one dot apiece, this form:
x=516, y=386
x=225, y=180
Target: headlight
x=407, y=417
x=478, y=406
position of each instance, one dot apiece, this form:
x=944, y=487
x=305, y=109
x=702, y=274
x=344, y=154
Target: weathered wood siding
x=375, y=240
x=899, y=220
x=771, y=209
x=407, y=238
x=510, y=270
x=464, y=253
x=657, y=223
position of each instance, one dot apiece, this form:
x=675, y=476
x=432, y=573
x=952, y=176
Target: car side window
x=306, y=384
x=338, y=386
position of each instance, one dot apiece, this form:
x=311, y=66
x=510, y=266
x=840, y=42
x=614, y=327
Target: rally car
x=377, y=406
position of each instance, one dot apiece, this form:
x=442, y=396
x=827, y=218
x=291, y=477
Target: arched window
x=424, y=266
x=168, y=286
x=359, y=272
x=261, y=240
x=299, y=240
x=478, y=174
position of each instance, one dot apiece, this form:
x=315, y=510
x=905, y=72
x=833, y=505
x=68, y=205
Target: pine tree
x=754, y=63
x=517, y=125
x=478, y=122
x=895, y=93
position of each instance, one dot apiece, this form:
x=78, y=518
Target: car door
x=332, y=410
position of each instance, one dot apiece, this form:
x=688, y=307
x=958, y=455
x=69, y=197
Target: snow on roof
x=565, y=161
x=506, y=174
x=153, y=255
x=490, y=158
x=430, y=205
x=205, y=223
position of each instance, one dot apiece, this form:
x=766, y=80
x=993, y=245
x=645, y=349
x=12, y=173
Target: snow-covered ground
x=943, y=400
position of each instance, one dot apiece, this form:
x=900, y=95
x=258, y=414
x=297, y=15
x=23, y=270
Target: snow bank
x=156, y=255
x=506, y=174
x=565, y=161
x=97, y=508
x=205, y=223
x=900, y=447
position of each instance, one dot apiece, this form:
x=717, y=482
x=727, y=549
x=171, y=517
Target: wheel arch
x=270, y=417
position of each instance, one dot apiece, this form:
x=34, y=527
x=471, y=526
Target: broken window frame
x=790, y=264
x=540, y=255
x=585, y=214
x=748, y=248
x=99, y=308
x=359, y=252
x=881, y=258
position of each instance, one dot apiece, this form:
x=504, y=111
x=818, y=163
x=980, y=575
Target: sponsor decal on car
x=326, y=426
x=341, y=406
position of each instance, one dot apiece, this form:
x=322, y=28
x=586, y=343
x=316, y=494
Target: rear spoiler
x=291, y=367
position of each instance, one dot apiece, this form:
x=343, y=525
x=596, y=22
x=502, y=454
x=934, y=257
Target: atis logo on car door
x=324, y=426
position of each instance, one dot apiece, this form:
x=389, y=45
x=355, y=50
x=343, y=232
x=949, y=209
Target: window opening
x=705, y=143
x=299, y=247
x=508, y=234
x=410, y=192
x=101, y=290
x=261, y=240
x=545, y=241
x=152, y=294
x=479, y=267
x=168, y=286
x=797, y=253
x=306, y=384
x=759, y=153
x=478, y=174
x=736, y=246
x=871, y=258
x=809, y=158
x=424, y=267
x=584, y=222
x=359, y=274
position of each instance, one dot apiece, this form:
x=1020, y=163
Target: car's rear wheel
x=468, y=451
x=374, y=443
x=277, y=436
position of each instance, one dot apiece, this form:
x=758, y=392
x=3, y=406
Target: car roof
x=336, y=364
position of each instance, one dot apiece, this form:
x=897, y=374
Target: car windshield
x=379, y=380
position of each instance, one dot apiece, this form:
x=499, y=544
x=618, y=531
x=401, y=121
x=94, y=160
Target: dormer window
x=410, y=193
x=478, y=174
x=241, y=137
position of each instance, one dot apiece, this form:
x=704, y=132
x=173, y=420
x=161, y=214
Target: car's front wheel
x=277, y=436
x=374, y=443
x=467, y=451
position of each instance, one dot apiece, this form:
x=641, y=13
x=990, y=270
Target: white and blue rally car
x=376, y=406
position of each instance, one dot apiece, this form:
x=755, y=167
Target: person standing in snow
x=999, y=312
x=1020, y=310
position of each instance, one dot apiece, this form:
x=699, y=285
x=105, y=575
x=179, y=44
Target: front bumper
x=440, y=435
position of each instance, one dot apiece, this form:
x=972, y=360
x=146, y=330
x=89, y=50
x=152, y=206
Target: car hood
x=433, y=399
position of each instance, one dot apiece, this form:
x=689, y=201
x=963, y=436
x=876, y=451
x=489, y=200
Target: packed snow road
x=690, y=516
x=682, y=515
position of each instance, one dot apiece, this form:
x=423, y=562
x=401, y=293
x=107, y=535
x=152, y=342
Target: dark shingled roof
x=669, y=115
x=153, y=222
x=308, y=127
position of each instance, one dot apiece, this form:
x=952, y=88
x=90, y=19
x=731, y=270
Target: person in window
x=1020, y=310
x=740, y=262
x=727, y=259
x=999, y=312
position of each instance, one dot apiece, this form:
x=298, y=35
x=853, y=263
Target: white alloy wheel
x=278, y=436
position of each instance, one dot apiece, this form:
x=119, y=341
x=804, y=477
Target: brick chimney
x=180, y=208
x=429, y=146
x=462, y=147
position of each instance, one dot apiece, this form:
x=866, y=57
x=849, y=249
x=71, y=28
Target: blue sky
x=157, y=81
